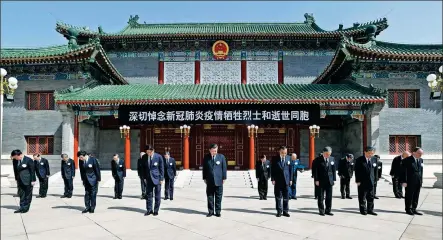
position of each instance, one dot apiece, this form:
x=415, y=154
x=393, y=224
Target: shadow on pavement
x=69, y=207
x=129, y=209
x=433, y=213
x=295, y=210
x=12, y=207
x=185, y=211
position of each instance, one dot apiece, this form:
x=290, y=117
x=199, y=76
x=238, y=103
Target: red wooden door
x=269, y=140
x=224, y=136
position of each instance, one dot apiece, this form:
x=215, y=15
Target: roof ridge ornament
x=133, y=21
x=72, y=35
x=370, y=33
x=309, y=18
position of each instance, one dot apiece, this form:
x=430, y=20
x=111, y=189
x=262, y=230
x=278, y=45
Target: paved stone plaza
x=243, y=215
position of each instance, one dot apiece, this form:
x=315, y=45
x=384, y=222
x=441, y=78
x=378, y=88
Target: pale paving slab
x=243, y=215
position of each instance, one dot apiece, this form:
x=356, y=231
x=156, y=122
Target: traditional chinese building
x=219, y=78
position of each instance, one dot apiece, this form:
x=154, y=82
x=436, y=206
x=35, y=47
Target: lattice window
x=40, y=144
x=399, y=144
x=41, y=101
x=404, y=99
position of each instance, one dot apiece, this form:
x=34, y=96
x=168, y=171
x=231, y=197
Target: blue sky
x=32, y=24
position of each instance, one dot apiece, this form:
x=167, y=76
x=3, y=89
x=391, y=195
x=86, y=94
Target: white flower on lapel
x=332, y=163
x=379, y=167
x=121, y=165
x=289, y=162
x=218, y=162
x=296, y=163
x=422, y=164
x=42, y=164
x=170, y=164
x=267, y=166
x=352, y=163
x=155, y=164
x=374, y=165
x=24, y=165
x=90, y=165
x=69, y=164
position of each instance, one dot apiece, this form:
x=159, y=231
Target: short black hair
x=416, y=149
x=349, y=155
x=213, y=146
x=16, y=152
x=36, y=155
x=64, y=155
x=81, y=153
x=115, y=155
x=377, y=156
x=149, y=147
x=327, y=149
x=369, y=149
x=282, y=148
x=167, y=153
x=262, y=156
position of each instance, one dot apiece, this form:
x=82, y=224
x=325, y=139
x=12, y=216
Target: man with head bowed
x=153, y=174
x=365, y=179
x=281, y=177
x=214, y=175
x=411, y=179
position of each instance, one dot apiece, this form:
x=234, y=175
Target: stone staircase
x=236, y=179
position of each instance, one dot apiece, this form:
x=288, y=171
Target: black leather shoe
x=114, y=197
x=18, y=211
x=120, y=197
x=209, y=215
x=322, y=213
x=295, y=198
x=218, y=215
x=64, y=196
x=376, y=197
x=166, y=198
x=286, y=214
x=278, y=215
x=261, y=198
x=85, y=211
x=363, y=213
x=265, y=198
x=402, y=196
x=349, y=197
x=38, y=196
x=171, y=199
x=372, y=213
x=155, y=213
x=329, y=213
x=91, y=210
x=409, y=212
x=417, y=213
x=69, y=196
x=398, y=197
x=342, y=197
x=25, y=211
x=148, y=213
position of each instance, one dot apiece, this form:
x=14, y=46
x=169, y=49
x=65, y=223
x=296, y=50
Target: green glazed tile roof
x=230, y=93
x=40, y=52
x=308, y=27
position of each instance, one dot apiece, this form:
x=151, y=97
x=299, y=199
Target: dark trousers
x=69, y=187
x=375, y=188
x=169, y=188
x=344, y=187
x=396, y=187
x=316, y=191
x=365, y=199
x=263, y=188
x=143, y=186
x=281, y=191
x=152, y=190
x=211, y=193
x=18, y=190
x=412, y=194
x=43, y=186
x=118, y=187
x=90, y=195
x=325, y=191
x=292, y=190
x=25, y=193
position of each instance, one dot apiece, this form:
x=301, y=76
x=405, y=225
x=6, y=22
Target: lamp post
x=314, y=131
x=185, y=130
x=125, y=133
x=252, y=132
x=7, y=89
x=435, y=81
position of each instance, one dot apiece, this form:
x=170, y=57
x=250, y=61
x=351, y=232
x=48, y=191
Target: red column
x=75, y=141
x=128, y=151
x=186, y=152
x=161, y=72
x=365, y=132
x=243, y=71
x=251, y=152
x=311, y=150
x=197, y=72
x=280, y=72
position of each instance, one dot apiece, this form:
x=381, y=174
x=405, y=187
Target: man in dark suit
x=14, y=167
x=281, y=177
x=316, y=188
x=323, y=169
x=263, y=173
x=43, y=173
x=345, y=172
x=153, y=174
x=140, y=166
x=170, y=173
x=365, y=178
x=377, y=172
x=68, y=174
x=411, y=179
x=214, y=175
x=292, y=190
x=118, y=173
x=395, y=173
x=26, y=179
x=91, y=177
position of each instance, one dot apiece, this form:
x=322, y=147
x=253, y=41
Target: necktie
x=213, y=159
x=149, y=161
x=416, y=161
